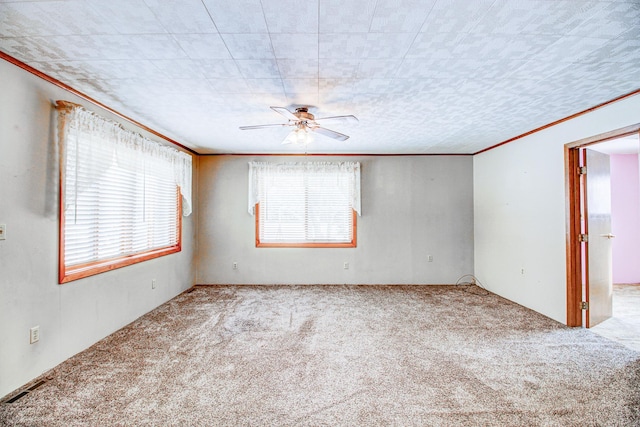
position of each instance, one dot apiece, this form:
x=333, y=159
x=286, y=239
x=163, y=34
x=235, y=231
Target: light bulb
x=301, y=136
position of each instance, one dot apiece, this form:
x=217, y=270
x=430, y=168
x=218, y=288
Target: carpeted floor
x=340, y=355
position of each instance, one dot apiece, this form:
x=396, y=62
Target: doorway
x=590, y=287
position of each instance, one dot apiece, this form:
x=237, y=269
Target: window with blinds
x=306, y=205
x=120, y=204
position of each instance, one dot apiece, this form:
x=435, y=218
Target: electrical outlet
x=429, y=258
x=34, y=334
x=153, y=283
x=234, y=265
x=346, y=265
x=3, y=231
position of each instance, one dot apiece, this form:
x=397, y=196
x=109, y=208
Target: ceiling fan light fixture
x=303, y=136
x=305, y=126
x=299, y=136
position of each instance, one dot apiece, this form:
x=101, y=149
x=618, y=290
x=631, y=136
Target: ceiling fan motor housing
x=303, y=113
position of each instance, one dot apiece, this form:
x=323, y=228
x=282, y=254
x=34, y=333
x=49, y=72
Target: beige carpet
x=340, y=355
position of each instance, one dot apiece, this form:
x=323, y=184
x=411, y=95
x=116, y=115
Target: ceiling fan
x=304, y=122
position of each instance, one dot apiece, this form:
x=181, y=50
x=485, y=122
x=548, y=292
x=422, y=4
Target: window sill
x=76, y=272
x=305, y=245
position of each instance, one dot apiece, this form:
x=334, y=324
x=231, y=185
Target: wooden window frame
x=350, y=244
x=80, y=271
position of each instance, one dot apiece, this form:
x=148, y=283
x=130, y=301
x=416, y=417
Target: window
x=120, y=195
x=305, y=204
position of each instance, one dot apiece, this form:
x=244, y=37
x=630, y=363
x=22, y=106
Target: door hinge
x=584, y=305
x=583, y=238
x=582, y=170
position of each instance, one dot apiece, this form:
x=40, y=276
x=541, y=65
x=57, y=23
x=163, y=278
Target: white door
x=597, y=206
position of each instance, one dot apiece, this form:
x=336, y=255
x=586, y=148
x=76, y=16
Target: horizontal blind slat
x=115, y=206
x=305, y=207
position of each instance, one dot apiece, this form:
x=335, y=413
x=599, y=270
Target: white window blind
x=305, y=203
x=120, y=193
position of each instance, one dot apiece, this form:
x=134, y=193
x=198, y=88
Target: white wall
x=412, y=207
x=75, y=315
x=519, y=209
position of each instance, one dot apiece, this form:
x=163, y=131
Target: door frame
x=572, y=198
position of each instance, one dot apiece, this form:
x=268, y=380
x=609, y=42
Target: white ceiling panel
x=267, y=86
x=422, y=76
x=378, y=68
x=291, y=16
x=217, y=68
x=203, y=46
x=537, y=16
x=127, y=16
x=190, y=68
x=221, y=86
x=116, y=47
x=249, y=46
x=258, y=68
x=617, y=50
x=51, y=19
x=455, y=16
x=400, y=16
x=338, y=68
x=107, y=70
x=294, y=87
x=387, y=45
x=435, y=45
x=339, y=16
x=239, y=16
x=342, y=45
x=298, y=68
x=299, y=97
x=298, y=46
x=184, y=16
x=502, y=47
x=612, y=19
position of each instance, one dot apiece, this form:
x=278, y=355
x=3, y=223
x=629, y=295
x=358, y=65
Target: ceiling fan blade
x=348, y=118
x=288, y=114
x=330, y=133
x=290, y=138
x=263, y=126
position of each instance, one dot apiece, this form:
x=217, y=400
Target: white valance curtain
x=345, y=173
x=89, y=134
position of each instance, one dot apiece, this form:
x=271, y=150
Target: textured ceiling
x=423, y=76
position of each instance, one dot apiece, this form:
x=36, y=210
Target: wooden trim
x=87, y=98
x=574, y=256
x=91, y=269
x=259, y=244
x=354, y=235
x=573, y=224
x=557, y=122
x=61, y=216
x=584, y=213
x=607, y=136
x=334, y=154
x=69, y=274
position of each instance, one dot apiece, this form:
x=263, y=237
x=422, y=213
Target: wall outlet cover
x=34, y=334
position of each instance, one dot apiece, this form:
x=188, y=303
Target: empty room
x=320, y=212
